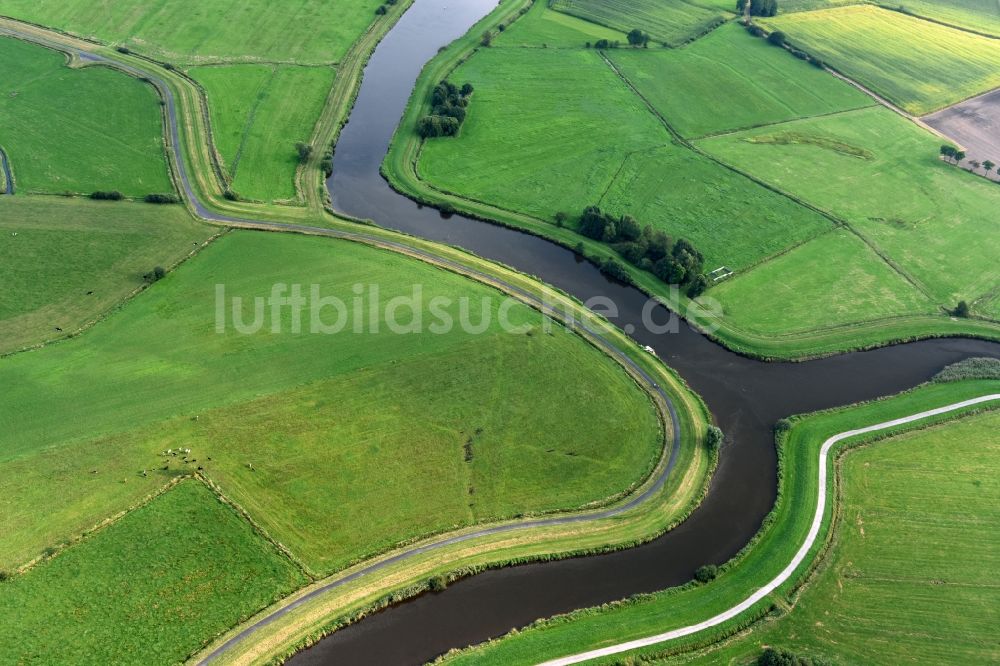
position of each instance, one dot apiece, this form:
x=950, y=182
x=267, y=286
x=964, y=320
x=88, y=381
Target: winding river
x=745, y=396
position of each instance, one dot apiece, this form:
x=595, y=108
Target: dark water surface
x=746, y=396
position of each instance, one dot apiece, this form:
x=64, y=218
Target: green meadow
x=259, y=113
x=63, y=262
x=153, y=586
x=938, y=225
x=284, y=422
x=832, y=280
x=919, y=65
x=910, y=576
x=672, y=22
x=194, y=30
x=930, y=574
x=748, y=81
x=78, y=130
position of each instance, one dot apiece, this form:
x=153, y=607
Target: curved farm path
x=800, y=555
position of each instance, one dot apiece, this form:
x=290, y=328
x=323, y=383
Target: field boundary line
x=779, y=123
x=797, y=559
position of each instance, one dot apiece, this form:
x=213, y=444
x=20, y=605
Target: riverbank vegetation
x=65, y=262
x=79, y=130
x=449, y=107
x=784, y=530
x=256, y=412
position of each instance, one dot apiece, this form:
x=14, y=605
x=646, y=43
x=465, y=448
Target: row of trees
x=674, y=262
x=448, y=112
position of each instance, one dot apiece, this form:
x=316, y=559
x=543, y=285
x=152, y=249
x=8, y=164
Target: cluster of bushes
x=384, y=8
x=155, y=275
x=107, y=195
x=448, y=113
x=674, y=262
x=304, y=151
x=637, y=37
x=780, y=657
x=605, y=44
x=778, y=38
x=157, y=198
x=758, y=7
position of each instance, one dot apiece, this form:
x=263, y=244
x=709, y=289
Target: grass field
x=542, y=26
x=152, y=587
x=938, y=225
x=978, y=15
x=910, y=577
x=919, y=65
x=547, y=130
x=785, y=529
x=731, y=220
x=747, y=82
x=298, y=408
x=73, y=130
x=832, y=280
x=192, y=30
x=259, y=113
x=672, y=22
x=72, y=260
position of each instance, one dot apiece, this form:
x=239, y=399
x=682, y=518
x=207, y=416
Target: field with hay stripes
x=919, y=65
x=672, y=22
x=188, y=31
